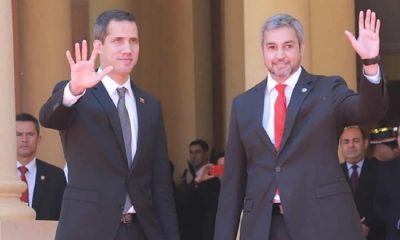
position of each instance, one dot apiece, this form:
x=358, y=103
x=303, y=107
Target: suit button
x=278, y=169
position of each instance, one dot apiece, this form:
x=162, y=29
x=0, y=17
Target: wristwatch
x=371, y=61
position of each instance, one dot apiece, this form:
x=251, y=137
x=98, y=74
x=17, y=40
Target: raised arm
x=367, y=43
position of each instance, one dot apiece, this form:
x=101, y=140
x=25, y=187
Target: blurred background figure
x=383, y=144
x=387, y=201
x=361, y=174
x=197, y=195
x=46, y=182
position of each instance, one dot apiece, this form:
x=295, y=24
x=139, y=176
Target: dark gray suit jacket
x=365, y=196
x=316, y=198
x=49, y=188
x=99, y=177
x=387, y=201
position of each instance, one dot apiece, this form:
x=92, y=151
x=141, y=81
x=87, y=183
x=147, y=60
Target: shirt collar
x=290, y=82
x=111, y=85
x=359, y=164
x=31, y=166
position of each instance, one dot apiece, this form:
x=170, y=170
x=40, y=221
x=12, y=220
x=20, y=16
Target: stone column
x=10, y=187
x=45, y=35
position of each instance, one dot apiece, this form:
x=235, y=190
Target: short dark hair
x=102, y=21
x=202, y=143
x=26, y=117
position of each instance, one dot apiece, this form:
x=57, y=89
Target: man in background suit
x=387, y=202
x=383, y=144
x=198, y=198
x=281, y=165
x=119, y=184
x=46, y=182
x=361, y=174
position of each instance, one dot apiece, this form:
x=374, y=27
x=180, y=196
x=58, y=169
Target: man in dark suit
x=361, y=174
x=46, y=183
x=387, y=202
x=119, y=184
x=198, y=197
x=281, y=165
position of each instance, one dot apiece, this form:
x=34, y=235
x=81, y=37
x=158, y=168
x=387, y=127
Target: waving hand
x=83, y=74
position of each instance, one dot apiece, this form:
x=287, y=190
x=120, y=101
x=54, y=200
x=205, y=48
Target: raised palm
x=83, y=74
x=367, y=43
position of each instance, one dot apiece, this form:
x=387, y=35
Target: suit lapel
x=101, y=94
x=259, y=97
x=300, y=92
x=140, y=107
x=40, y=179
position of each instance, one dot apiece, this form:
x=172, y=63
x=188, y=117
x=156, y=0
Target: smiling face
x=120, y=49
x=282, y=52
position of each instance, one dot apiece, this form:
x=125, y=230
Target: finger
x=361, y=21
x=378, y=26
x=367, y=21
x=350, y=36
x=77, y=52
x=105, y=71
x=373, y=20
x=95, y=51
x=69, y=58
x=84, y=50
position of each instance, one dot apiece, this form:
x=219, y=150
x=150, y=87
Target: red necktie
x=279, y=124
x=280, y=114
x=354, y=178
x=25, y=195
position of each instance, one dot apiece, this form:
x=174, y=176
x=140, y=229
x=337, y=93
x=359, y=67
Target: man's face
x=120, y=48
x=198, y=156
x=353, y=145
x=282, y=52
x=27, y=139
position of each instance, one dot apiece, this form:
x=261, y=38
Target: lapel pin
x=141, y=100
x=42, y=177
x=304, y=90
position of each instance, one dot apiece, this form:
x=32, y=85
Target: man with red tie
x=45, y=182
x=281, y=163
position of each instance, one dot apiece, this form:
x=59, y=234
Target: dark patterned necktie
x=354, y=178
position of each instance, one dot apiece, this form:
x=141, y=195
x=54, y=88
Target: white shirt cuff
x=375, y=79
x=68, y=98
